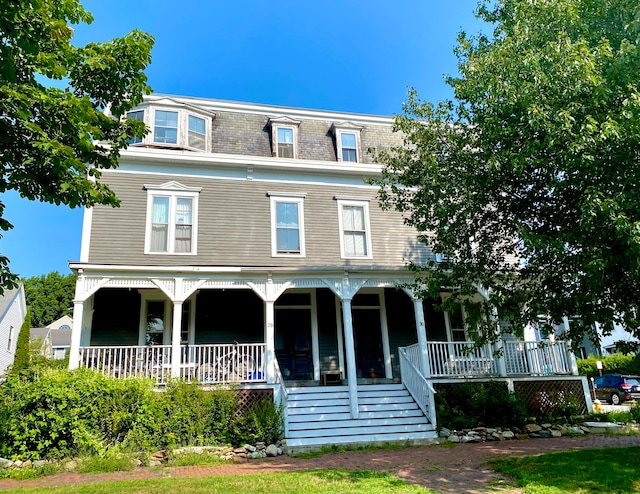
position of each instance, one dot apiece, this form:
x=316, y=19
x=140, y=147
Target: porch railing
x=460, y=359
x=418, y=386
x=230, y=363
x=129, y=361
x=207, y=364
x=537, y=358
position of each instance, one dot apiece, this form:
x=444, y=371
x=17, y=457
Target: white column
x=573, y=364
x=499, y=345
x=421, y=329
x=270, y=342
x=315, y=344
x=176, y=326
x=76, y=334
x=340, y=338
x=384, y=328
x=352, y=374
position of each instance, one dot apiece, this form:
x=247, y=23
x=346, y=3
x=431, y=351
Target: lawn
x=314, y=482
x=587, y=471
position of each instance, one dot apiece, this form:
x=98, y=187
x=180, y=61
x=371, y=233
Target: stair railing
x=281, y=397
x=418, y=386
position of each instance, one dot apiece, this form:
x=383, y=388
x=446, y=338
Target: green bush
x=263, y=422
x=52, y=413
x=197, y=417
x=469, y=404
x=611, y=364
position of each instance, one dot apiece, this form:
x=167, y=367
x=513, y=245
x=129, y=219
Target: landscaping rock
x=155, y=463
x=444, y=432
x=508, y=434
x=555, y=433
x=544, y=434
x=4, y=463
x=529, y=428
x=70, y=465
x=249, y=448
x=272, y=450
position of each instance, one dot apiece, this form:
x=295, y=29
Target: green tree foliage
x=49, y=297
x=528, y=182
x=47, y=148
x=23, y=351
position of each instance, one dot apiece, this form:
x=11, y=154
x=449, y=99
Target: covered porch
x=284, y=331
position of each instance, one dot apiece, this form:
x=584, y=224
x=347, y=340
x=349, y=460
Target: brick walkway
x=460, y=468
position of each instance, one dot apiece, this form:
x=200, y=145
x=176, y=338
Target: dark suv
x=617, y=388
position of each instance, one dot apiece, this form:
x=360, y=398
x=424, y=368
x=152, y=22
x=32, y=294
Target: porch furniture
x=331, y=378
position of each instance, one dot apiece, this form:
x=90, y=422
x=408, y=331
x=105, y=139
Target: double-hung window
x=135, y=115
x=285, y=142
x=197, y=133
x=287, y=225
x=348, y=145
x=172, y=213
x=355, y=231
x=347, y=141
x=165, y=129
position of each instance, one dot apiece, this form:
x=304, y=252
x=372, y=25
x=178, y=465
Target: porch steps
x=321, y=416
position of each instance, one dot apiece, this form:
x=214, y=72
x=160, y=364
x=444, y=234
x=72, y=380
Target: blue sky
x=350, y=55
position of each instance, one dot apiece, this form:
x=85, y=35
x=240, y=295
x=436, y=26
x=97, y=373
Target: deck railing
x=418, y=386
x=206, y=364
x=129, y=361
x=461, y=359
x=537, y=358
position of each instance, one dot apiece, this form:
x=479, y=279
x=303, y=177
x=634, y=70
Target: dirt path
x=459, y=468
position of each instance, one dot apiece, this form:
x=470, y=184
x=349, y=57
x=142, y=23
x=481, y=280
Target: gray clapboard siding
x=234, y=225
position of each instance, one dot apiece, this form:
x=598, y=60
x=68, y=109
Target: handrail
x=282, y=397
x=418, y=386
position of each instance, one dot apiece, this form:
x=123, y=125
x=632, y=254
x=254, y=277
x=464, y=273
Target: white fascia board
x=111, y=269
x=152, y=155
x=213, y=105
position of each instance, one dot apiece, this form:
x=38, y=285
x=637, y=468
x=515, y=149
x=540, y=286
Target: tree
x=47, y=147
x=528, y=181
x=23, y=350
x=49, y=297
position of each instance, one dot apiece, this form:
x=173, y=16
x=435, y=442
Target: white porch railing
x=281, y=397
x=418, y=386
x=207, y=364
x=231, y=363
x=537, y=358
x=460, y=359
x=152, y=362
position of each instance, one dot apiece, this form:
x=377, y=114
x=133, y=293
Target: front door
x=367, y=333
x=293, y=343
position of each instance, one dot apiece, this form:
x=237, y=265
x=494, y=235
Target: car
x=617, y=388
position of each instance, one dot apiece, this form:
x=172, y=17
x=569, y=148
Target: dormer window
x=165, y=129
x=174, y=124
x=347, y=142
x=284, y=132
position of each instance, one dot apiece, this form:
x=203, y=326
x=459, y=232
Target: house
x=249, y=248
x=13, y=310
x=54, y=339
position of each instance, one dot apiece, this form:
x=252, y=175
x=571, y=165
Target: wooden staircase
x=320, y=415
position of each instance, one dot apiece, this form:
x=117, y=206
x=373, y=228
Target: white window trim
x=173, y=190
x=339, y=133
x=364, y=203
x=149, y=120
x=294, y=128
x=281, y=197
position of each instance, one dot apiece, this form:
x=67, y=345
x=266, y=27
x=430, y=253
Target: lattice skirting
x=249, y=397
x=543, y=396
x=540, y=396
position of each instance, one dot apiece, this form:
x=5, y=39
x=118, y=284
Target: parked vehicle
x=617, y=388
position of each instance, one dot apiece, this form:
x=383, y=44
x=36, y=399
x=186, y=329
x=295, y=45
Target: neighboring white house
x=13, y=309
x=55, y=338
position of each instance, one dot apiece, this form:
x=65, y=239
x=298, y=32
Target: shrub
x=468, y=404
x=611, y=364
x=263, y=422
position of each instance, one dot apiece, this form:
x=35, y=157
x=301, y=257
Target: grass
x=190, y=459
x=99, y=464
x=314, y=482
x=587, y=471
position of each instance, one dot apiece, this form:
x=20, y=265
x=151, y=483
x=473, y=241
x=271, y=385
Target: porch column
x=352, y=374
x=421, y=329
x=270, y=343
x=76, y=334
x=175, y=339
x=573, y=364
x=499, y=345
